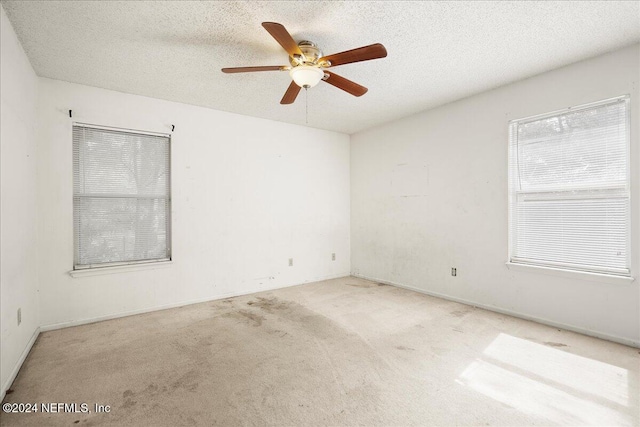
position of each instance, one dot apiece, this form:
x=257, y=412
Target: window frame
x=100, y=268
x=559, y=267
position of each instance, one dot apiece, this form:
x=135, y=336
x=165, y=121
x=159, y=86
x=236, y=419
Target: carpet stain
x=459, y=313
x=554, y=344
x=205, y=341
x=278, y=332
x=246, y=316
x=401, y=347
x=151, y=390
x=270, y=304
x=360, y=285
x=187, y=382
x=129, y=403
x=298, y=316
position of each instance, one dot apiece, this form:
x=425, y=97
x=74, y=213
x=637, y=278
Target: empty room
x=320, y=213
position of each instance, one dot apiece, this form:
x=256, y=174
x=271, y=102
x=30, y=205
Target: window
x=121, y=200
x=569, y=189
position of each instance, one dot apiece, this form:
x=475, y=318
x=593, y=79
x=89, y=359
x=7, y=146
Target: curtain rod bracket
x=70, y=113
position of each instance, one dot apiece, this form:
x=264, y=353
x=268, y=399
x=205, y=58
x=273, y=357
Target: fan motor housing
x=311, y=54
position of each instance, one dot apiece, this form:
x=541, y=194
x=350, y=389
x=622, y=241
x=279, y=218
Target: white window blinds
x=121, y=202
x=569, y=189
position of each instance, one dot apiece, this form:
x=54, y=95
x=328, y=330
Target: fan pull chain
x=306, y=105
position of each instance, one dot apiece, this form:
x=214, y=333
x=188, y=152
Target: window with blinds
x=121, y=197
x=569, y=189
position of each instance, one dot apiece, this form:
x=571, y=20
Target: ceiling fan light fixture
x=306, y=76
x=309, y=64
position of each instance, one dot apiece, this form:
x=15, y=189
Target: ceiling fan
x=309, y=65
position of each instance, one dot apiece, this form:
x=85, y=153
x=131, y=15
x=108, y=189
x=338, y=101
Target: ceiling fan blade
x=345, y=84
x=291, y=93
x=252, y=69
x=283, y=37
x=365, y=53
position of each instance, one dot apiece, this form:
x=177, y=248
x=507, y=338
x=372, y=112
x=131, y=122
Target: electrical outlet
x=333, y=256
x=454, y=271
x=290, y=262
x=19, y=316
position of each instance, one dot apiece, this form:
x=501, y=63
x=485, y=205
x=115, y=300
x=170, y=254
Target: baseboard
x=596, y=334
x=16, y=368
x=80, y=322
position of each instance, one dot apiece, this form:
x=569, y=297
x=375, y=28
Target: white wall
x=18, y=203
x=248, y=194
x=429, y=192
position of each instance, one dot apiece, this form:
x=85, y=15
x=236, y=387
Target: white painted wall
x=18, y=203
x=429, y=192
x=248, y=194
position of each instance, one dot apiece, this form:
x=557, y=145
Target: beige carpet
x=339, y=352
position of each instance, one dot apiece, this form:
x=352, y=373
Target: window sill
x=97, y=271
x=571, y=274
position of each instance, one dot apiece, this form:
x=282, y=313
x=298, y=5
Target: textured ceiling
x=438, y=51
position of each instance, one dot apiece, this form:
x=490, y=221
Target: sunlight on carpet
x=540, y=380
